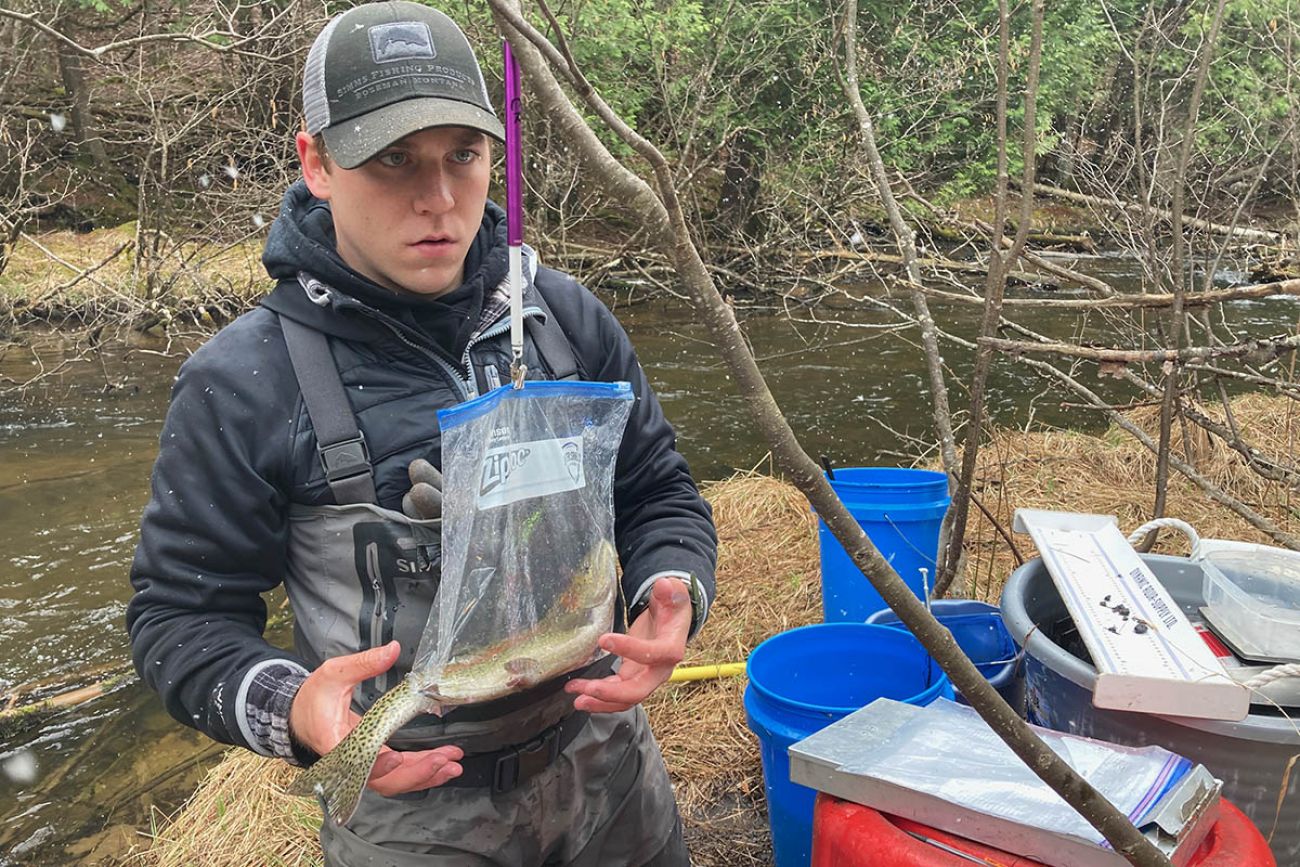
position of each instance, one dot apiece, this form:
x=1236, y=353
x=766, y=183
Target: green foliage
x=101, y=5
x=689, y=75
x=734, y=87
x=934, y=85
x=1246, y=96
x=696, y=77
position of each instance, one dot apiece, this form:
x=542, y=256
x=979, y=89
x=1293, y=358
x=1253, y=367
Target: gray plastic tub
x=1250, y=756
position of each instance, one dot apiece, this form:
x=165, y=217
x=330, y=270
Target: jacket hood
x=302, y=241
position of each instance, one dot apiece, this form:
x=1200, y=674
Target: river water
x=75, y=454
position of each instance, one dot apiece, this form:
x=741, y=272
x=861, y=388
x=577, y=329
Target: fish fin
x=339, y=777
x=523, y=671
x=336, y=781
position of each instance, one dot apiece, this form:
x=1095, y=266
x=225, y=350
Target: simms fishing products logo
x=401, y=40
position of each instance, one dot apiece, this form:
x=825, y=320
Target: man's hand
x=653, y=646
x=321, y=716
x=424, y=500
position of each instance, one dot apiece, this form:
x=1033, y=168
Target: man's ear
x=315, y=166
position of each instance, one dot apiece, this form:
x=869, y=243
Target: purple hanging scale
x=514, y=215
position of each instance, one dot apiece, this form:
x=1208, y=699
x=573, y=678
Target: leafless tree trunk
x=995, y=285
x=659, y=207
x=906, y=243
x=83, y=120
x=1177, y=314
x=906, y=239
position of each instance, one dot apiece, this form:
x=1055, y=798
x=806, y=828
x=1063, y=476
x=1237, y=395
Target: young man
x=285, y=457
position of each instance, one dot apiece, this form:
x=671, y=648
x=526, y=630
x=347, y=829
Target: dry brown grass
x=767, y=582
x=1115, y=475
x=768, y=578
x=196, y=270
x=239, y=817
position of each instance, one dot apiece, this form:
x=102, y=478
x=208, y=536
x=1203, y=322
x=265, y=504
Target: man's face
x=406, y=217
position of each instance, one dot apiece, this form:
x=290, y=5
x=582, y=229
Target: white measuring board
x=1148, y=656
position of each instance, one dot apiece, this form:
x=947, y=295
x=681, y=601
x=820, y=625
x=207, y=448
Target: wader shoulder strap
x=342, y=447
x=550, y=341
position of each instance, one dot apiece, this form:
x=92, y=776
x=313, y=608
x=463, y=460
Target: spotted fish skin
x=339, y=777
x=564, y=640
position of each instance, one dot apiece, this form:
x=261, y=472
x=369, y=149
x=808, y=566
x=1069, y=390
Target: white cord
x=1279, y=672
x=1172, y=524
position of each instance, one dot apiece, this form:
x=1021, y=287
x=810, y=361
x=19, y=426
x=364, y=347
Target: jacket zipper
x=501, y=327
x=465, y=391
x=467, y=384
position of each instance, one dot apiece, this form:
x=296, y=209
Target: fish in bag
x=529, y=568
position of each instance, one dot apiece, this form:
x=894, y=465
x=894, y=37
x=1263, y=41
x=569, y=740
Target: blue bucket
x=978, y=629
x=900, y=510
x=803, y=680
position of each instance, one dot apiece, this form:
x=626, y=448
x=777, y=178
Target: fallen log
x=978, y=226
x=1262, y=349
x=17, y=701
x=1258, y=236
x=1024, y=277
x=1076, y=243
x=1133, y=302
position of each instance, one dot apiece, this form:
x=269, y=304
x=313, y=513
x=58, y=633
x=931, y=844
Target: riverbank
x=768, y=577
x=97, y=281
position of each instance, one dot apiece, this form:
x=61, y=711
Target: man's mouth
x=433, y=242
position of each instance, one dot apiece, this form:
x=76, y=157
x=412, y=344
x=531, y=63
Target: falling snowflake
x=20, y=768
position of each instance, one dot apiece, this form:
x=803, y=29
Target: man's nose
x=433, y=193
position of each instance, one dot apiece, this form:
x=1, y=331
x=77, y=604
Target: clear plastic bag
x=528, y=562
x=947, y=751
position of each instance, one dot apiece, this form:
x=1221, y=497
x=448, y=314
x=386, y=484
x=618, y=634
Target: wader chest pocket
x=397, y=571
x=361, y=576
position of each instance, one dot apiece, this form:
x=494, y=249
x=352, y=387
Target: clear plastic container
x=1254, y=591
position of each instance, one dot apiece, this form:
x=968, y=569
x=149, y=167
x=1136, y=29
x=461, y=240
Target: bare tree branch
x=802, y=470
x=206, y=38
x=995, y=285
x=1258, y=236
x=1264, y=349
x=1177, y=314
x=1133, y=302
x=1216, y=493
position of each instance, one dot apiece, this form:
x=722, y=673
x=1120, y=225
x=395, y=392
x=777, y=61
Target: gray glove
x=424, y=500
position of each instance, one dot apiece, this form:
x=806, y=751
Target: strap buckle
x=345, y=459
x=522, y=763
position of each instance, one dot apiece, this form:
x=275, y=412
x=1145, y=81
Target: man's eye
x=465, y=156
x=393, y=159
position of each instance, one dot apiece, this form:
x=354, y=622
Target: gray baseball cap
x=382, y=71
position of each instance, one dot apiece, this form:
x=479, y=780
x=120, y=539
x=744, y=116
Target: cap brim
x=352, y=142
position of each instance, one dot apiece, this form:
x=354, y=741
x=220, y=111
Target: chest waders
x=541, y=783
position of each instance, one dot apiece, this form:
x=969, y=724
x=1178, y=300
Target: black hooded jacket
x=237, y=448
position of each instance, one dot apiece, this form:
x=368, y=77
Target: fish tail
x=339, y=777
x=337, y=782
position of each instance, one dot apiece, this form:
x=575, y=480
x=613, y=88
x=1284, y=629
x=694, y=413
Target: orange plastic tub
x=851, y=835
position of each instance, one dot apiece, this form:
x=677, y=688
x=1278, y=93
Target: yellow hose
x=706, y=672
